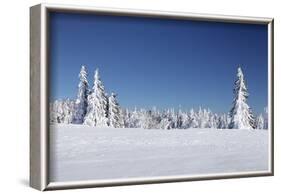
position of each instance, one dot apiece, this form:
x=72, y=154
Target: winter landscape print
x=134, y=97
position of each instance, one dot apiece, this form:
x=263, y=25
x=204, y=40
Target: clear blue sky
x=155, y=62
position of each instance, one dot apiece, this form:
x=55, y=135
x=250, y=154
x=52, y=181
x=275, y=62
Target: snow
x=80, y=152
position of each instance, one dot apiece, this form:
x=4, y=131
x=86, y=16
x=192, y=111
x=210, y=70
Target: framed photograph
x=122, y=97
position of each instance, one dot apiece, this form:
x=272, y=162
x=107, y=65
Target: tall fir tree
x=115, y=118
x=240, y=114
x=97, y=114
x=81, y=101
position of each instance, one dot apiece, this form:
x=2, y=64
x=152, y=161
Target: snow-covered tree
x=265, y=118
x=204, y=117
x=97, y=104
x=131, y=118
x=115, y=117
x=53, y=112
x=165, y=120
x=194, y=121
x=222, y=122
x=166, y=123
x=176, y=122
x=213, y=121
x=61, y=111
x=260, y=122
x=241, y=114
x=145, y=119
x=68, y=111
x=185, y=120
x=127, y=115
x=179, y=121
x=81, y=101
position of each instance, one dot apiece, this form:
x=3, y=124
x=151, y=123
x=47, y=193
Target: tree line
x=95, y=108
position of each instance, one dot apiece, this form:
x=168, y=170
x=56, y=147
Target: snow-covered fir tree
x=266, y=118
x=62, y=111
x=127, y=117
x=185, y=120
x=166, y=121
x=115, y=117
x=97, y=114
x=82, y=97
x=204, y=118
x=131, y=118
x=241, y=114
x=260, y=122
x=194, y=120
x=146, y=119
x=179, y=122
x=68, y=110
x=222, y=122
x=174, y=115
x=53, y=112
x=213, y=121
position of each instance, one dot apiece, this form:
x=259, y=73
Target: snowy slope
x=84, y=153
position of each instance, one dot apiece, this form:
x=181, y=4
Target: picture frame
x=40, y=89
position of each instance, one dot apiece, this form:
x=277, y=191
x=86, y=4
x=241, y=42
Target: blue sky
x=155, y=62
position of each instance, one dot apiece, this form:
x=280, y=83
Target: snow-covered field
x=84, y=153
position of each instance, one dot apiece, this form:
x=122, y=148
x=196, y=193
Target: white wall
x=14, y=136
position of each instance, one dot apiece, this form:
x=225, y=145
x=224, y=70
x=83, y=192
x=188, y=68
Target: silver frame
x=39, y=136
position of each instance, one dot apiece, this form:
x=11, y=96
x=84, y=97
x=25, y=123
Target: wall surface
x=14, y=98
